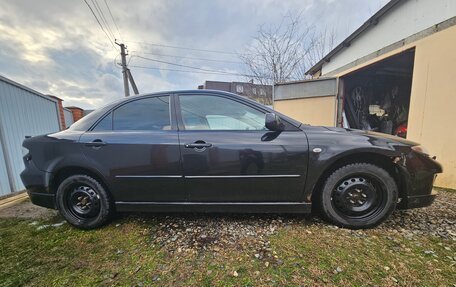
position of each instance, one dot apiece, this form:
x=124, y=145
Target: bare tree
x=324, y=41
x=277, y=53
x=286, y=52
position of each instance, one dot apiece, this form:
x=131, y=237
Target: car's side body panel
x=138, y=166
x=245, y=166
x=417, y=171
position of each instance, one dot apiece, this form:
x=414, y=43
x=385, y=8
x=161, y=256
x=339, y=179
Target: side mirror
x=273, y=122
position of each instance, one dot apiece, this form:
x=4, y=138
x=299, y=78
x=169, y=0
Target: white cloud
x=58, y=48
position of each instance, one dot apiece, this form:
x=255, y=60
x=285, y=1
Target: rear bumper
x=42, y=199
x=36, y=182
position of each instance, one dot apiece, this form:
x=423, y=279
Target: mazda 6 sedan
x=211, y=151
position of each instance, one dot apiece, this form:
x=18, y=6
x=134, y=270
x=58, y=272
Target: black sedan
x=210, y=151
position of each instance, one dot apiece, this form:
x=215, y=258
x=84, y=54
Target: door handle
x=199, y=145
x=96, y=143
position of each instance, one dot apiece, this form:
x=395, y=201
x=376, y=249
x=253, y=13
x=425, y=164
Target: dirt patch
x=27, y=210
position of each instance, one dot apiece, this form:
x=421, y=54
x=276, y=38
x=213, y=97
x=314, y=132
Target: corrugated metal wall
x=23, y=111
x=68, y=117
x=4, y=184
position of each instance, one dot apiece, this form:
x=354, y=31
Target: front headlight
x=420, y=149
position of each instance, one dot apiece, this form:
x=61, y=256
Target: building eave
x=372, y=21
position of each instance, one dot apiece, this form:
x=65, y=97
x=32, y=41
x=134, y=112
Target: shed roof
x=20, y=86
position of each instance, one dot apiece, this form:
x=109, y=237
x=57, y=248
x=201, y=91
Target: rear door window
x=148, y=114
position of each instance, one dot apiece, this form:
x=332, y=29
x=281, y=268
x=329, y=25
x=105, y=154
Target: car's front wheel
x=358, y=195
x=84, y=202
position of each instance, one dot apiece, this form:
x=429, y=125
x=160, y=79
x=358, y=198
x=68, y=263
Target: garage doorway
x=377, y=97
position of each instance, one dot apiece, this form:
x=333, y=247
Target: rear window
x=86, y=122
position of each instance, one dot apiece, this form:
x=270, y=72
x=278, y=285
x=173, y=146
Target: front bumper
x=418, y=175
x=419, y=201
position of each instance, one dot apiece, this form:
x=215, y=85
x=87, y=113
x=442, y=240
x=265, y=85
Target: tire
x=84, y=202
x=358, y=195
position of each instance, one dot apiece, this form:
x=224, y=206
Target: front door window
x=205, y=112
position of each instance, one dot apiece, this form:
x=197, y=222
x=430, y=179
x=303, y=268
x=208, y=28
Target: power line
x=185, y=66
x=103, y=19
x=114, y=21
x=190, y=58
x=101, y=26
x=184, y=71
x=185, y=48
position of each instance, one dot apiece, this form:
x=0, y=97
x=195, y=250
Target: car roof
x=185, y=92
x=197, y=91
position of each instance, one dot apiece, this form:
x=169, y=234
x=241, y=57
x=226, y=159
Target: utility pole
x=126, y=72
x=124, y=69
x=132, y=82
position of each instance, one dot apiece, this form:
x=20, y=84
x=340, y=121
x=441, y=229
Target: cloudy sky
x=57, y=47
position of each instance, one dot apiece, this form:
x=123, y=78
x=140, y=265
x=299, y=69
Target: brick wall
x=78, y=113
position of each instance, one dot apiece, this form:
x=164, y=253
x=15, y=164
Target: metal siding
x=22, y=113
x=306, y=89
x=68, y=117
x=4, y=183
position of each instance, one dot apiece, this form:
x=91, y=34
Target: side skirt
x=215, y=207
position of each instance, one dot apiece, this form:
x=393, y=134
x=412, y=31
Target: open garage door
x=377, y=97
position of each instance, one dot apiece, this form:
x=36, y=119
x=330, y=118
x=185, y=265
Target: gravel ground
x=193, y=232
x=190, y=233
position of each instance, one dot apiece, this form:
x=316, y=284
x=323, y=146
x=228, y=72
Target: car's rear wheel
x=359, y=195
x=84, y=202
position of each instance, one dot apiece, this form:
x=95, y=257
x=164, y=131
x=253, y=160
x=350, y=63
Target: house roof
x=73, y=107
x=372, y=21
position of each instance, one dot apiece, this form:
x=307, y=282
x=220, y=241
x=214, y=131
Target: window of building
x=262, y=92
x=145, y=114
x=239, y=89
x=254, y=91
x=219, y=113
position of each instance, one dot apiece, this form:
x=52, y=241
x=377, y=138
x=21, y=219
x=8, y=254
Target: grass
x=303, y=255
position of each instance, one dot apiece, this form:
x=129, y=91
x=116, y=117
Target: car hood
x=376, y=135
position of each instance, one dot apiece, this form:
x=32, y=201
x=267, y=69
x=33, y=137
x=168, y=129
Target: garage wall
x=23, y=112
x=432, y=117
x=4, y=184
x=315, y=111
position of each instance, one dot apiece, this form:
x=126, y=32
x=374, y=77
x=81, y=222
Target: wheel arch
x=384, y=161
x=64, y=172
